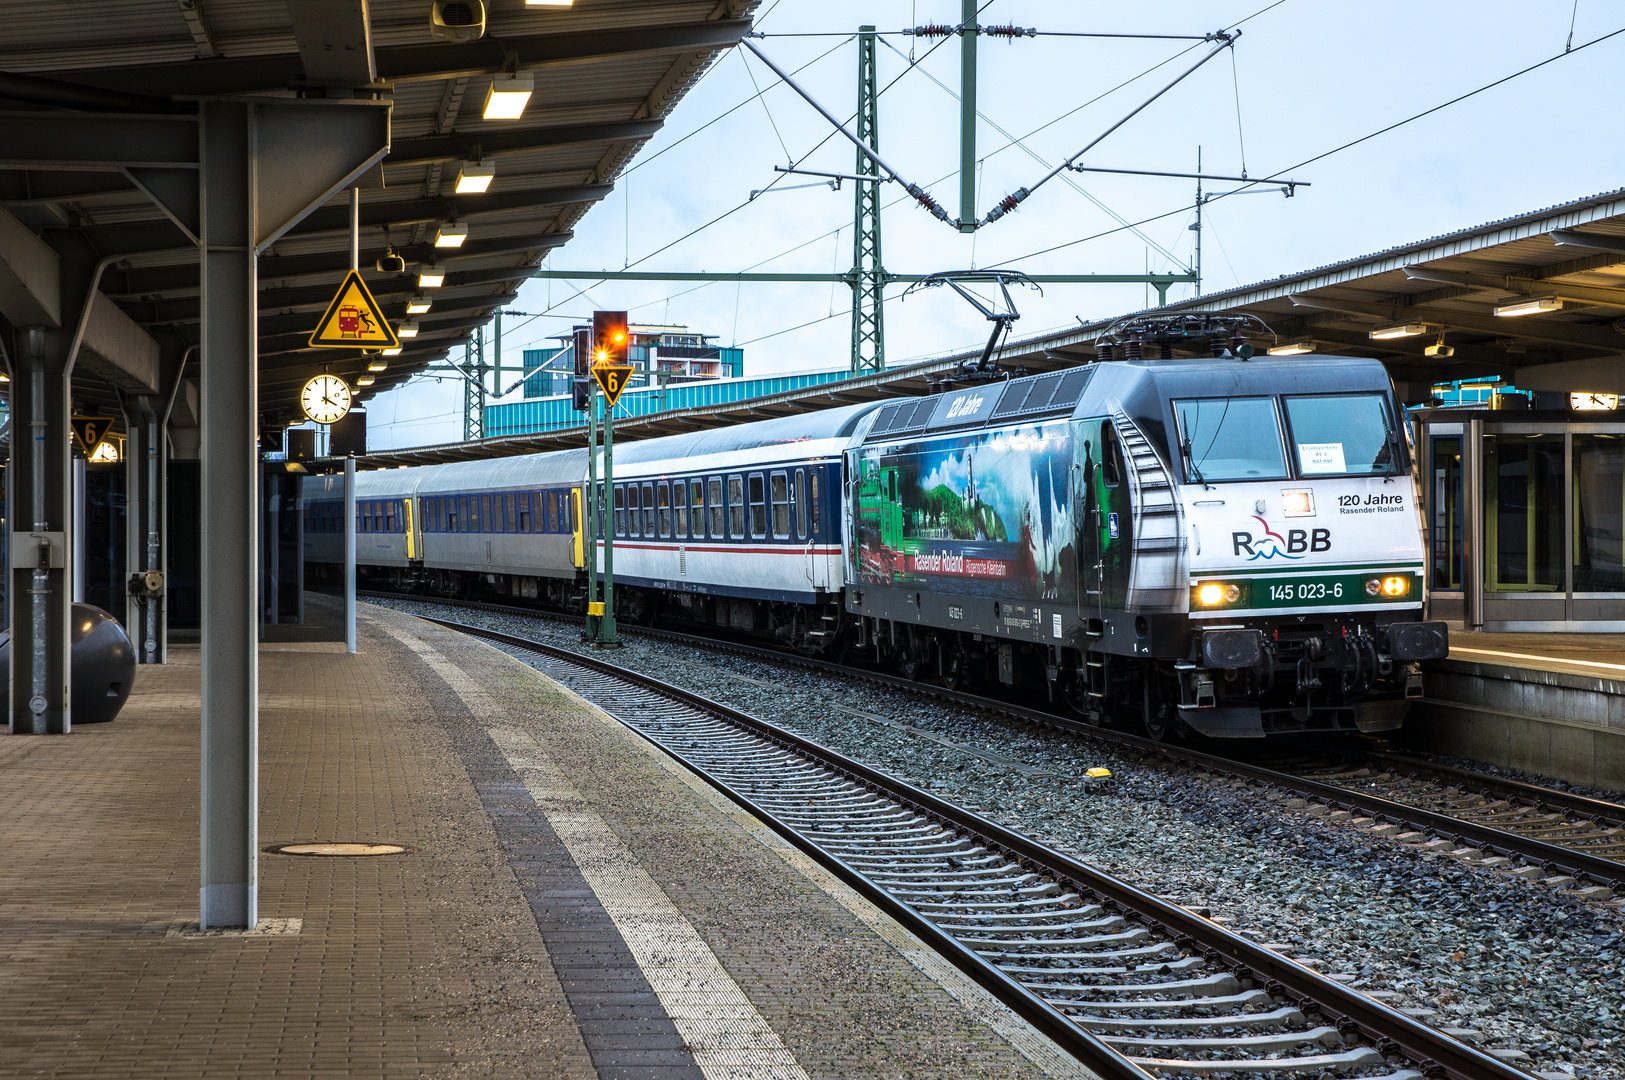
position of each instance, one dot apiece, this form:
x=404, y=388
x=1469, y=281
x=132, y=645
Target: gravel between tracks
x=1528, y=968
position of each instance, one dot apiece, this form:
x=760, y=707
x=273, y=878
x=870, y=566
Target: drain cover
x=350, y=850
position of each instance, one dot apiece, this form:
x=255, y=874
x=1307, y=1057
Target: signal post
x=610, y=371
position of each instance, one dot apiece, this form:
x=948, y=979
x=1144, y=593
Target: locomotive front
x=1305, y=551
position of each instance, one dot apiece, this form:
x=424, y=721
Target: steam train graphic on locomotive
x=1228, y=545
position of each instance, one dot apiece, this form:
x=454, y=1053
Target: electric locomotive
x=1227, y=544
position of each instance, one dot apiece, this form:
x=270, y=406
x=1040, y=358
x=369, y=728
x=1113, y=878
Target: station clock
x=326, y=399
x=1593, y=402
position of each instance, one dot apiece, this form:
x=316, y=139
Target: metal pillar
x=349, y=554
x=607, y=637
x=967, y=116
x=474, y=388
x=79, y=511
x=868, y=276
x=1472, y=524
x=41, y=476
x=590, y=529
x=230, y=513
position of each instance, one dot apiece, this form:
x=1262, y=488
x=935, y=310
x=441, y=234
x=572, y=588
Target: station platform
x=572, y=903
x=1551, y=704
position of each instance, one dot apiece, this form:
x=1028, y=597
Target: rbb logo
x=1272, y=545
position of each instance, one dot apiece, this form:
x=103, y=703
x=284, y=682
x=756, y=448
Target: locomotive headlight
x=1232, y=593
x=1211, y=594
x=1373, y=587
x=1298, y=503
x=1395, y=586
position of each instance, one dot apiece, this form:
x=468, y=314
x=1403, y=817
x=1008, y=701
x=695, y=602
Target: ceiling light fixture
x=1293, y=348
x=451, y=235
x=378, y=365
x=366, y=380
x=1528, y=305
x=396, y=351
x=473, y=178
x=549, y=3
x=509, y=94
x=408, y=329
x=418, y=304
x=430, y=277
x=1398, y=330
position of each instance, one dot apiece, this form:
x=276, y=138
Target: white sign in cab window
x=1321, y=458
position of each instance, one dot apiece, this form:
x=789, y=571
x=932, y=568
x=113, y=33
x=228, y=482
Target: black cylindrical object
x=102, y=663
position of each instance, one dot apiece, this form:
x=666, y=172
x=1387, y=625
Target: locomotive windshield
x=1230, y=439
x=1340, y=434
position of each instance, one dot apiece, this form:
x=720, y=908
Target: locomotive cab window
x=1111, y=455
x=1230, y=439
x=758, y=506
x=1341, y=434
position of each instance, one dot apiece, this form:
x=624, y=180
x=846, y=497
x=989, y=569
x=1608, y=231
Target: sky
x=1304, y=77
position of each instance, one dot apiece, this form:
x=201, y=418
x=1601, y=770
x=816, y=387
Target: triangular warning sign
x=90, y=431
x=612, y=380
x=353, y=319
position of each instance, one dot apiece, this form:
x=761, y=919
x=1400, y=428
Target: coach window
x=513, y=511
x=758, y=505
x=812, y=484
x=497, y=513
x=389, y=516
x=552, y=498
x=714, y=501
x=565, y=523
x=524, y=511
x=736, y=507
x=634, y=512
x=780, y=486
x=648, y=509
x=801, y=504
x=620, y=511
x=665, y=508
x=679, y=508
x=696, y=506
x=485, y=522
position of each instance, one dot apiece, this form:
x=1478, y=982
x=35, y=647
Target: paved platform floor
x=574, y=903
x=1602, y=655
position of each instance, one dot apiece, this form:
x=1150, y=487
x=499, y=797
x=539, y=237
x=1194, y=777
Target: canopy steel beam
x=1529, y=326
x=335, y=41
x=429, y=211
x=659, y=275
x=317, y=297
x=407, y=63
x=459, y=146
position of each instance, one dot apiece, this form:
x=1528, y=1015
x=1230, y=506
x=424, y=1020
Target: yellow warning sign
x=612, y=379
x=353, y=319
x=89, y=431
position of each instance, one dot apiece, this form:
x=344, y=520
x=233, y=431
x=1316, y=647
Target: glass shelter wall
x=1543, y=504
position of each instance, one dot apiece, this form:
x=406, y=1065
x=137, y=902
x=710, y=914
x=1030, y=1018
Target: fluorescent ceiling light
x=549, y=3
x=1293, y=348
x=378, y=365
x=418, y=304
x=451, y=236
x=1398, y=330
x=473, y=178
x=409, y=328
x=509, y=94
x=396, y=351
x=1528, y=305
x=430, y=277
x=366, y=380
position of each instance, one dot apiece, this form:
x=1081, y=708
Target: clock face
x=1593, y=402
x=326, y=399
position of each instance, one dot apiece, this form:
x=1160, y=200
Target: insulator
x=1132, y=350
x=931, y=30
x=1008, y=203
x=1105, y=350
x=1011, y=31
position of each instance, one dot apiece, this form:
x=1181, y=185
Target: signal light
x=610, y=337
x=1395, y=586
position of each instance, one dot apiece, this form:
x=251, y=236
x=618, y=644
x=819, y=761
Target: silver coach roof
x=501, y=474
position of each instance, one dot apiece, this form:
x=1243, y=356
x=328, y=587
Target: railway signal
x=611, y=338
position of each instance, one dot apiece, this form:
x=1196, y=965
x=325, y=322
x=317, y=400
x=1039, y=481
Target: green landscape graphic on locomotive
x=985, y=514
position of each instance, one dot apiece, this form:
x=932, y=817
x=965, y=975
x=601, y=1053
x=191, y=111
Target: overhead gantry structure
x=175, y=214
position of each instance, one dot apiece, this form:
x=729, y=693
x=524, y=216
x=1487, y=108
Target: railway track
x=1130, y=984
x=1545, y=832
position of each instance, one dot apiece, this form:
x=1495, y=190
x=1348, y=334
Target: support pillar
x=349, y=554
x=145, y=472
x=41, y=474
x=230, y=521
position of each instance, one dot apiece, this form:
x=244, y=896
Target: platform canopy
x=1538, y=299
x=605, y=74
